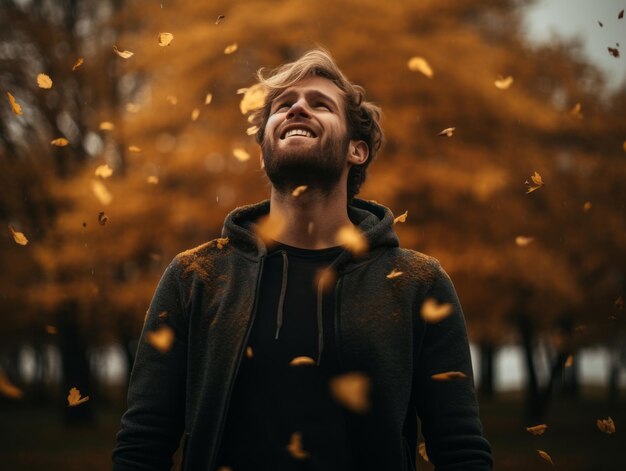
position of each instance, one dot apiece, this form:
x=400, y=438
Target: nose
x=298, y=109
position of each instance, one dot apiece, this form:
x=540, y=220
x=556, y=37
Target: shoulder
x=417, y=265
x=201, y=259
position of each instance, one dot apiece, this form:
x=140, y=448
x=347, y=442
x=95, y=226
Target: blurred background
x=113, y=163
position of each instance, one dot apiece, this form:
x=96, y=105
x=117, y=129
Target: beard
x=318, y=167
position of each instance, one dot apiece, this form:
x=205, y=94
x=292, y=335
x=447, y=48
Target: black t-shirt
x=271, y=400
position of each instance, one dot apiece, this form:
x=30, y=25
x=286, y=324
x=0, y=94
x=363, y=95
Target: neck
x=311, y=220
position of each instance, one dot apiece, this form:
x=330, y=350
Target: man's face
x=306, y=138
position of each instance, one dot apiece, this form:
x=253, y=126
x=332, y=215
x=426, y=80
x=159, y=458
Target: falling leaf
x=433, y=312
x=74, y=399
x=208, y=98
x=7, y=388
x=301, y=361
x=352, y=390
x=253, y=98
x=18, y=237
x=449, y=376
x=600, y=23
x=295, y=447
x=447, y=132
x=619, y=303
x=15, y=106
x=50, y=329
x=614, y=52
x=401, y=218
x=575, y=111
x=299, y=190
x=153, y=179
x=102, y=218
x=523, y=241
x=419, y=64
x=503, y=83
x=104, y=171
x=587, y=206
x=44, y=81
x=59, y=142
x=537, y=429
x=352, y=239
x=101, y=192
x=221, y=242
x=606, y=425
x=241, y=154
x=252, y=130
x=421, y=449
x=620, y=15
x=122, y=54
x=161, y=339
x=269, y=228
x=172, y=99
x=545, y=456
x=132, y=107
x=325, y=278
x=537, y=182
x=394, y=274
x=134, y=149
x=165, y=39
x=219, y=19
x=107, y=126
x=249, y=352
x=195, y=113
x=163, y=315
x=78, y=63
x=230, y=48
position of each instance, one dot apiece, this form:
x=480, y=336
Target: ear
x=358, y=152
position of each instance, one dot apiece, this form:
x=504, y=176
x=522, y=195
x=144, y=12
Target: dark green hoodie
x=207, y=297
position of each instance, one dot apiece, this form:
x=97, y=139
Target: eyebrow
x=310, y=94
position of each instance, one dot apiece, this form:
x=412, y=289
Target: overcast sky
x=580, y=18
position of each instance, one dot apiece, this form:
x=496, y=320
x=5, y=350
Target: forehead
x=316, y=84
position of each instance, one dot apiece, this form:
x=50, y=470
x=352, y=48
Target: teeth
x=298, y=132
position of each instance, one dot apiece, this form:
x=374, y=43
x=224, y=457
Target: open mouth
x=302, y=132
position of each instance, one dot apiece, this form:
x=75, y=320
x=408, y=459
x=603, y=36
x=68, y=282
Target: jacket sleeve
x=154, y=420
x=448, y=410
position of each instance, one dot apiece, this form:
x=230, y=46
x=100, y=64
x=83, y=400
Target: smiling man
x=296, y=347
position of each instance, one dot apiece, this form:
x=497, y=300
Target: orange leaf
x=18, y=237
x=123, y=54
x=230, y=48
x=606, y=425
x=295, y=447
x=421, y=448
x=352, y=390
x=523, y=241
x=78, y=63
x=161, y=339
x=299, y=190
x=301, y=361
x=433, y=312
x=352, y=239
x=503, y=83
x=241, y=154
x=15, y=106
x=249, y=352
x=419, y=64
x=401, y=218
x=448, y=132
x=107, y=126
x=74, y=399
x=253, y=98
x=165, y=39
x=7, y=388
x=545, y=456
x=104, y=171
x=394, y=274
x=449, y=376
x=537, y=182
x=44, y=81
x=537, y=429
x=59, y=142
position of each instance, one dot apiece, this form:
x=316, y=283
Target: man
x=302, y=337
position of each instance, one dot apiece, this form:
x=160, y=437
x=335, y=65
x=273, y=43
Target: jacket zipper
x=232, y=383
x=337, y=322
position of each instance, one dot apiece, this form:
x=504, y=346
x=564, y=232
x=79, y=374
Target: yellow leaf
x=153, y=179
x=107, y=126
x=269, y=228
x=134, y=149
x=352, y=239
x=219, y=19
x=15, y=106
x=44, y=81
x=230, y=48
x=394, y=274
x=433, y=312
x=537, y=182
x=606, y=425
x=123, y=54
x=503, y=83
x=299, y=190
x=102, y=218
x=221, y=242
x=448, y=132
x=252, y=130
x=78, y=63
x=7, y=388
x=104, y=171
x=165, y=39
x=59, y=142
x=101, y=192
x=18, y=237
x=352, y=390
x=74, y=399
x=241, y=154
x=402, y=217
x=587, y=206
x=253, y=98
x=575, y=111
x=208, y=99
x=161, y=339
x=537, y=429
x=295, y=447
x=569, y=362
x=249, y=352
x=301, y=361
x=545, y=456
x=449, y=376
x=195, y=113
x=419, y=64
x=523, y=241
x=51, y=329
x=421, y=448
